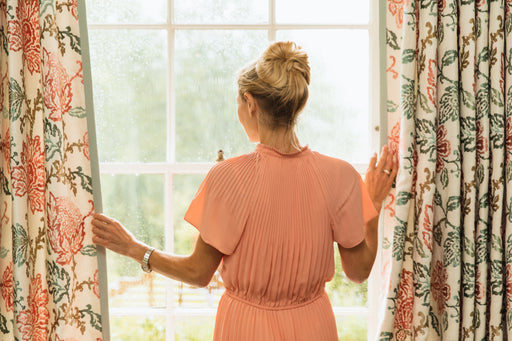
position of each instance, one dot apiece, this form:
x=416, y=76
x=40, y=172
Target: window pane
x=220, y=12
x=129, y=70
x=194, y=328
x=352, y=328
x=322, y=11
x=138, y=202
x=137, y=328
x=336, y=119
x=184, y=189
x=344, y=293
x=206, y=67
x=126, y=11
x=185, y=296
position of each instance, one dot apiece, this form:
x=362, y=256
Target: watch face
x=145, y=268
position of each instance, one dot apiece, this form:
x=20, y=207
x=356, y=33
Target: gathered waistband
x=266, y=307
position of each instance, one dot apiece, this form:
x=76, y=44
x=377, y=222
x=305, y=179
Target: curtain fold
x=48, y=266
x=449, y=247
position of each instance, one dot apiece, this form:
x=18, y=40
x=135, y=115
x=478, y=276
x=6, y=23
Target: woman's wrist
x=137, y=251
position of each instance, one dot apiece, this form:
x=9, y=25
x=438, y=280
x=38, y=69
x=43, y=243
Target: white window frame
x=376, y=129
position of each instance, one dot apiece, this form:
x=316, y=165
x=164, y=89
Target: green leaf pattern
x=450, y=221
x=48, y=266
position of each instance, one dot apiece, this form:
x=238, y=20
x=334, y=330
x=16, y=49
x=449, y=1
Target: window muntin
x=151, y=125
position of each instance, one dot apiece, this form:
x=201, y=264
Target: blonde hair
x=279, y=81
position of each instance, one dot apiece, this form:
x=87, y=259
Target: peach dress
x=275, y=217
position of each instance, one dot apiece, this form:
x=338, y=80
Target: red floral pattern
x=65, y=228
x=86, y=146
x=443, y=147
x=427, y=227
x=49, y=285
x=32, y=321
x=24, y=34
x=508, y=137
x=432, y=80
x=74, y=9
x=509, y=286
x=396, y=8
x=29, y=177
x=479, y=286
x=405, y=299
x=7, y=288
x=96, y=284
x=57, y=86
x=440, y=288
x=5, y=146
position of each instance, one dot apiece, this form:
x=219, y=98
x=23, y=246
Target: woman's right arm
x=196, y=269
x=357, y=262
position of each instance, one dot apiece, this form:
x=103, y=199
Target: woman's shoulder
x=334, y=165
x=232, y=168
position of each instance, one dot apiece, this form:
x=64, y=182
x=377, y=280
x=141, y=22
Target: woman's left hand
x=380, y=176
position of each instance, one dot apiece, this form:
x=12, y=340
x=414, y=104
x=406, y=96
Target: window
x=165, y=101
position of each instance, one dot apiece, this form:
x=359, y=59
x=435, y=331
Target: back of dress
x=275, y=217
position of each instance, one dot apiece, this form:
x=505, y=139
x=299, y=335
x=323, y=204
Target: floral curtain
x=48, y=266
x=450, y=116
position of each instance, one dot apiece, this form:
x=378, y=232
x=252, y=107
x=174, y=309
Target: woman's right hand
x=380, y=176
x=111, y=234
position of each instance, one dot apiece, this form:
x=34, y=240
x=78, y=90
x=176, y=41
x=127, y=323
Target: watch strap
x=145, y=261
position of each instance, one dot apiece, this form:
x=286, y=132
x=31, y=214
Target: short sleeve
x=218, y=210
x=350, y=218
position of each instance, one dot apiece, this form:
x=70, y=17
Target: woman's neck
x=283, y=140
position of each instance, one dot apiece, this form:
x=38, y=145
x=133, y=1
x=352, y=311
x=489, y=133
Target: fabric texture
x=275, y=217
x=49, y=284
x=450, y=117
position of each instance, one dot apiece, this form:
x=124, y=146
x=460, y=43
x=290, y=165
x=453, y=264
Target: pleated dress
x=275, y=217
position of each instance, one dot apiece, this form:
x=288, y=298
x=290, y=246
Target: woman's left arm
x=196, y=269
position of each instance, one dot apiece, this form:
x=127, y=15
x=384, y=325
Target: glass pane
x=220, y=11
x=184, y=189
x=138, y=202
x=126, y=11
x=352, y=328
x=344, y=293
x=322, y=12
x=194, y=328
x=206, y=67
x=336, y=120
x=129, y=71
x=137, y=328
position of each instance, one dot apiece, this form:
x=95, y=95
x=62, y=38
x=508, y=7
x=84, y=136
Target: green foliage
x=20, y=244
x=59, y=282
x=3, y=325
x=94, y=318
x=89, y=250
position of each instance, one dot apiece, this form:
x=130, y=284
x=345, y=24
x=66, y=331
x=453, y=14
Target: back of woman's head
x=279, y=81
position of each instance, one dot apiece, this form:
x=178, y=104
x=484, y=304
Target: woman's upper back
x=275, y=216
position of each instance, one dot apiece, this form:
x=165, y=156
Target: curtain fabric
x=48, y=267
x=449, y=82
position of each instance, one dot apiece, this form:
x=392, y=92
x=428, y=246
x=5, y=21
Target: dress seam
x=264, y=307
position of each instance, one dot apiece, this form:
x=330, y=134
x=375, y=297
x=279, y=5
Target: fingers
x=373, y=162
x=381, y=165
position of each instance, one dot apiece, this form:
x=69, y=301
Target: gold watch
x=145, y=261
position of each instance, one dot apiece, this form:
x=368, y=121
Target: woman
x=272, y=216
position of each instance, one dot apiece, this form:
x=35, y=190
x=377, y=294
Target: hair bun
x=279, y=80
x=281, y=63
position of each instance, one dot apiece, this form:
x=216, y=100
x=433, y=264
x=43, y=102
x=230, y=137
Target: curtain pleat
x=48, y=267
x=451, y=250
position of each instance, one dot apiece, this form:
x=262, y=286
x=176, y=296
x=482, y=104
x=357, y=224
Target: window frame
x=377, y=132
